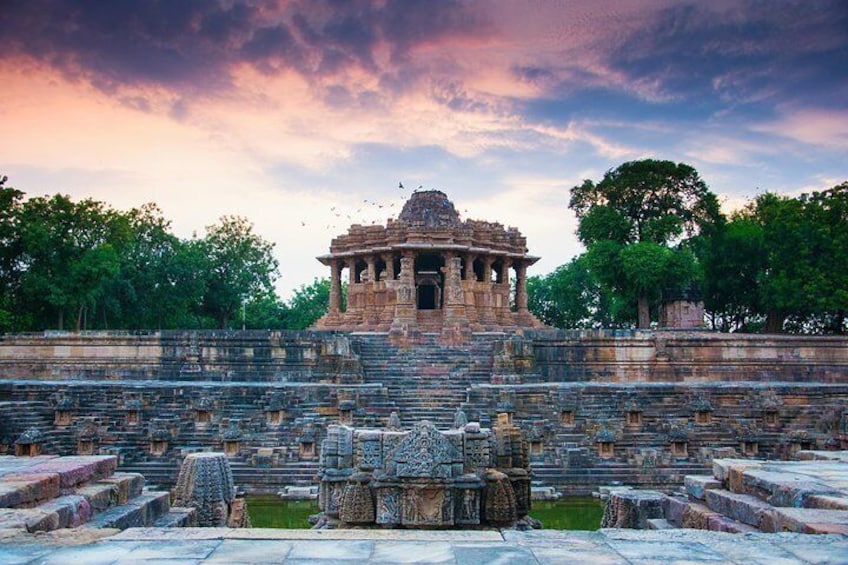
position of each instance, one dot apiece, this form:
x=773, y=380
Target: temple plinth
x=429, y=271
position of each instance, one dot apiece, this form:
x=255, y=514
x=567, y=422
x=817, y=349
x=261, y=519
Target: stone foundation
x=645, y=408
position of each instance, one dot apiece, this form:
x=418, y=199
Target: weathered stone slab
x=729, y=471
x=696, y=485
x=27, y=489
x=633, y=509
x=674, y=508
x=127, y=485
x=811, y=521
x=140, y=511
x=76, y=470
x=718, y=523
x=742, y=508
x=697, y=516
x=67, y=511
x=781, y=488
x=826, y=502
x=17, y=518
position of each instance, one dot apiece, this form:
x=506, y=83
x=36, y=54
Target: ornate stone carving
x=205, y=482
x=425, y=453
x=357, y=502
x=424, y=478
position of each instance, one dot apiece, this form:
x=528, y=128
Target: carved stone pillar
x=371, y=263
x=469, y=267
x=335, y=287
x=455, y=322
x=405, y=311
x=390, y=266
x=488, y=261
x=520, y=286
x=505, y=265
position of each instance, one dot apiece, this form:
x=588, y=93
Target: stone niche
x=424, y=478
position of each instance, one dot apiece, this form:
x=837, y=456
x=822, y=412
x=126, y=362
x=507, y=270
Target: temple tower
x=427, y=270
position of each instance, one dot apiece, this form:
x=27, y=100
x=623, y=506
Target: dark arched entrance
x=429, y=281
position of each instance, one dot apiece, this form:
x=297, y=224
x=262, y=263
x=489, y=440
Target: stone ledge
x=141, y=534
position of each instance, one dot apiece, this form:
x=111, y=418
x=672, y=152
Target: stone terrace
x=540, y=547
x=46, y=493
x=745, y=495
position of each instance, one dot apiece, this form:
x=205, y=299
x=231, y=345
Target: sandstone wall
x=274, y=393
x=249, y=356
x=687, y=356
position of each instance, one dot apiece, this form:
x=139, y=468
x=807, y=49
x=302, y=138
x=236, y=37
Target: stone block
x=141, y=511
x=126, y=485
x=697, y=516
x=659, y=524
x=718, y=523
x=697, y=485
x=177, y=517
x=67, y=511
x=811, y=521
x=674, y=508
x=725, y=470
x=826, y=502
x=633, y=509
x=17, y=518
x=742, y=508
x=27, y=489
x=76, y=470
x=782, y=488
x=100, y=497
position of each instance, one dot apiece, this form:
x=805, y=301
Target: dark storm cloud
x=745, y=53
x=192, y=44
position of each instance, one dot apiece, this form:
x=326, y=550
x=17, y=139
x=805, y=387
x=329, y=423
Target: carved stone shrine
x=425, y=478
x=429, y=271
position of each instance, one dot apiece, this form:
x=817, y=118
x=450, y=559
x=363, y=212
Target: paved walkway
x=217, y=545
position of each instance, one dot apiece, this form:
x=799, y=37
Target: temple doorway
x=429, y=281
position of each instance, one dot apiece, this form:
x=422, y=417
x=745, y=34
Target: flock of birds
x=364, y=214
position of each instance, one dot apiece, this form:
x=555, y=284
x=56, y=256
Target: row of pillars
x=408, y=258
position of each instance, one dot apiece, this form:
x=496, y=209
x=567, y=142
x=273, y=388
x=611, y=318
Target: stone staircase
x=46, y=493
x=426, y=380
x=748, y=495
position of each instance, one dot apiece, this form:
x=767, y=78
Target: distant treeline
x=652, y=229
x=83, y=265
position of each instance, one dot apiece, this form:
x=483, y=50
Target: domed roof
x=430, y=208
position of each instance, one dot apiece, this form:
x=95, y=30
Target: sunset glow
x=304, y=116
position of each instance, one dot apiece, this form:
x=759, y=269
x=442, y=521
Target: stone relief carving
x=424, y=478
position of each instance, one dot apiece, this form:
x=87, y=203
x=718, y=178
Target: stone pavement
x=487, y=547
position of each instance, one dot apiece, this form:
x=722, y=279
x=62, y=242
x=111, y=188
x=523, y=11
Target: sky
x=305, y=116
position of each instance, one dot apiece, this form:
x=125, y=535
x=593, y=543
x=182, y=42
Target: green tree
x=67, y=258
x=10, y=251
x=629, y=220
x=308, y=303
x=572, y=297
x=831, y=213
x=241, y=267
x=732, y=257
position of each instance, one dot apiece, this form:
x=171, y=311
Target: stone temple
x=435, y=324
x=428, y=270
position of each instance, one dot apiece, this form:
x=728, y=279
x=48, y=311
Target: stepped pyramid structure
x=428, y=270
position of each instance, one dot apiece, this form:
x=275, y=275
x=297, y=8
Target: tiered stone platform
x=46, y=493
x=745, y=495
x=326, y=547
x=668, y=402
